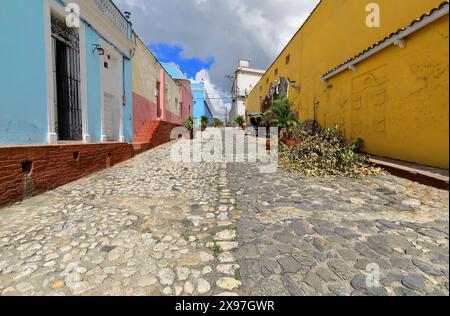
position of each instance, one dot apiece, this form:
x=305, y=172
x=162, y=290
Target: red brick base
x=30, y=170
x=160, y=134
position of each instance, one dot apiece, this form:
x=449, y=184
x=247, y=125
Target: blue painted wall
x=173, y=71
x=23, y=89
x=198, y=91
x=208, y=113
x=93, y=84
x=200, y=105
x=23, y=79
x=128, y=109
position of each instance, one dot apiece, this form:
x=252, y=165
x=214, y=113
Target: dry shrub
x=325, y=152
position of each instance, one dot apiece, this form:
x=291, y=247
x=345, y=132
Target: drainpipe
x=162, y=96
x=124, y=103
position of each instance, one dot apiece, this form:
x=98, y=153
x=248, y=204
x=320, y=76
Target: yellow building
x=385, y=83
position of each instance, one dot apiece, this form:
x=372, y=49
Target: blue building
x=174, y=71
x=202, y=102
x=66, y=72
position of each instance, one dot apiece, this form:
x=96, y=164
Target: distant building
x=202, y=102
x=245, y=78
x=162, y=97
x=186, y=97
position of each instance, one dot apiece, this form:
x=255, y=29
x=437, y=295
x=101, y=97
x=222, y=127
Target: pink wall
x=145, y=111
x=186, y=98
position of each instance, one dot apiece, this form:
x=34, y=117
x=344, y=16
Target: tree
x=240, y=120
x=189, y=125
x=281, y=114
x=204, y=121
x=217, y=122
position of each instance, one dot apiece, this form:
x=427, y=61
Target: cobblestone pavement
x=144, y=227
x=154, y=227
x=321, y=236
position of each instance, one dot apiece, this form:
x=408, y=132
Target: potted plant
x=281, y=116
x=217, y=122
x=204, y=121
x=189, y=125
x=240, y=120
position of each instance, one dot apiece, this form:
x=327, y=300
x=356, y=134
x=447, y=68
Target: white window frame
x=50, y=7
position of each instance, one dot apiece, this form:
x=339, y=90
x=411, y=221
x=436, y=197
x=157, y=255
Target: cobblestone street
x=318, y=236
x=154, y=227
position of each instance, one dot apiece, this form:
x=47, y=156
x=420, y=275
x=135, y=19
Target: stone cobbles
x=151, y=226
x=145, y=227
x=322, y=236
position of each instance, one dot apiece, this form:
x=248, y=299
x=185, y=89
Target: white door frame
x=117, y=93
x=52, y=138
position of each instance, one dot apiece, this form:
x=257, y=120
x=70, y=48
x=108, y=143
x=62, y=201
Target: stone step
x=435, y=177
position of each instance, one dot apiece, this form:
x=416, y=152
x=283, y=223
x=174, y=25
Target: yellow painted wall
x=397, y=100
x=146, y=71
x=172, y=95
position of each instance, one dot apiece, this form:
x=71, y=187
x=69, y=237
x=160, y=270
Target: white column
x=121, y=98
x=52, y=137
x=84, y=84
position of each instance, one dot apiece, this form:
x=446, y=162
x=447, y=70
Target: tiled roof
x=442, y=6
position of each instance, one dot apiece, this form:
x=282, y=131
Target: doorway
x=67, y=81
x=112, y=86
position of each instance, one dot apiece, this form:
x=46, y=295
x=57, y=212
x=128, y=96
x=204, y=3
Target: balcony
x=114, y=14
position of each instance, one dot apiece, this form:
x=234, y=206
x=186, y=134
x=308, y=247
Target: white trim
x=52, y=137
x=400, y=43
x=394, y=40
x=116, y=55
x=84, y=84
x=101, y=23
x=104, y=137
x=121, y=99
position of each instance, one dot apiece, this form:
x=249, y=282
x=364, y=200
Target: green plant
x=237, y=275
x=240, y=120
x=216, y=249
x=217, y=122
x=189, y=124
x=280, y=115
x=186, y=236
x=204, y=121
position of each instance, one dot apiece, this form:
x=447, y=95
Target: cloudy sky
x=208, y=37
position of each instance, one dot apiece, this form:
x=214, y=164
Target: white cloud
x=226, y=30
x=216, y=95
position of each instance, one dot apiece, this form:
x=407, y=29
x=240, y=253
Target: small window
x=106, y=65
x=276, y=72
x=288, y=59
x=260, y=88
x=267, y=81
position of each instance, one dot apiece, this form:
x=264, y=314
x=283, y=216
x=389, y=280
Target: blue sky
x=173, y=54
